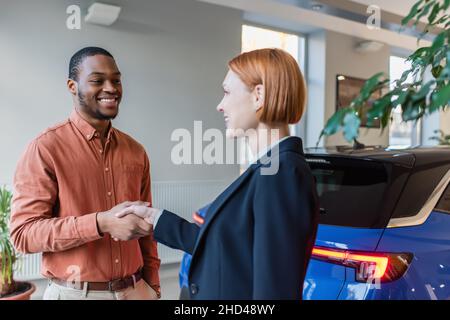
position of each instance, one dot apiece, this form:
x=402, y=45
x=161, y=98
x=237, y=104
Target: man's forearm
x=54, y=234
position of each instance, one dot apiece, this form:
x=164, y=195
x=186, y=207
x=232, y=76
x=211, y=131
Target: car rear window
x=354, y=192
x=420, y=187
x=444, y=202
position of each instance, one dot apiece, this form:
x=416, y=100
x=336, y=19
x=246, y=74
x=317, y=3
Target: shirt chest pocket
x=129, y=180
x=132, y=170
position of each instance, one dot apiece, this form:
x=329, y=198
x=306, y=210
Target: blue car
x=384, y=228
x=198, y=217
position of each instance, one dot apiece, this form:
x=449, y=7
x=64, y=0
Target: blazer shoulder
x=287, y=162
x=292, y=156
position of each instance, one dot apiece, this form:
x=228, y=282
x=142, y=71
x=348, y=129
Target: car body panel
x=346, y=238
x=428, y=276
x=324, y=281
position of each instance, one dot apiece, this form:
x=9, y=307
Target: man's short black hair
x=79, y=56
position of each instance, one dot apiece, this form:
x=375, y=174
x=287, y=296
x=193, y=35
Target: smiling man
x=69, y=184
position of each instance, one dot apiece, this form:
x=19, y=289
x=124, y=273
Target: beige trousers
x=141, y=291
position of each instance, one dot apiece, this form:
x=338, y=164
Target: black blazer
x=258, y=234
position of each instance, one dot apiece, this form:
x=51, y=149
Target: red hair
x=285, y=88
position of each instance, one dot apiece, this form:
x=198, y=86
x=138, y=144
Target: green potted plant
x=442, y=138
x=9, y=288
x=416, y=98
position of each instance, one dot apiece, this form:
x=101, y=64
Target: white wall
x=430, y=123
x=343, y=59
x=330, y=54
x=173, y=55
x=445, y=121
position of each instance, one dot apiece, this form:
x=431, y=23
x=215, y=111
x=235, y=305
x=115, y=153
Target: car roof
x=420, y=155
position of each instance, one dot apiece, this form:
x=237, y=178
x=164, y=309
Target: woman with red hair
x=258, y=234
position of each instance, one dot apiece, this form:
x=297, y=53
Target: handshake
x=128, y=220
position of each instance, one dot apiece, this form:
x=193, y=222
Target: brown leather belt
x=114, y=285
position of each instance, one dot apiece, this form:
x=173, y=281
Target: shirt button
x=116, y=261
x=109, y=194
x=106, y=169
x=101, y=150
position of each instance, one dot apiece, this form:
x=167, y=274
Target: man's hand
x=131, y=227
x=144, y=212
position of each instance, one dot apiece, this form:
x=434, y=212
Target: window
x=420, y=186
x=401, y=134
x=257, y=38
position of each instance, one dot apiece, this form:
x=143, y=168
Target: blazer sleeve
x=175, y=232
x=285, y=211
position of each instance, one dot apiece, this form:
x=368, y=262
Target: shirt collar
x=263, y=152
x=85, y=128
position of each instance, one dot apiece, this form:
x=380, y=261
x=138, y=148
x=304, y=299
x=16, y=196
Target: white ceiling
x=399, y=7
x=299, y=18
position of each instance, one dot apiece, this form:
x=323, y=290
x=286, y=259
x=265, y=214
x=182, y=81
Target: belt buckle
x=110, y=286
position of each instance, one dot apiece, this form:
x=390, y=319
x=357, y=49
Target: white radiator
x=181, y=197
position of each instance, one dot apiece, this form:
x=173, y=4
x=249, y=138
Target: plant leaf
x=436, y=71
x=378, y=109
x=433, y=13
x=424, y=12
x=422, y=93
x=438, y=42
x=440, y=98
x=351, y=126
x=334, y=123
x=412, y=12
x=401, y=98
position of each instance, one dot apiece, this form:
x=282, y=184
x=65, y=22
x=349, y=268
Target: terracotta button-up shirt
x=64, y=178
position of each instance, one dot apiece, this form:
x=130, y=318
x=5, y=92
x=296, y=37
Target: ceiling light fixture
x=102, y=14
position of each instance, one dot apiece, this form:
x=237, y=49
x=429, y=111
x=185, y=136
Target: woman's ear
x=258, y=94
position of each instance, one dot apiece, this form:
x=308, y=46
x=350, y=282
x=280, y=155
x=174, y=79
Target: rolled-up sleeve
x=34, y=227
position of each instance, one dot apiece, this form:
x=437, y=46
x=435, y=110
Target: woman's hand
x=131, y=227
x=144, y=212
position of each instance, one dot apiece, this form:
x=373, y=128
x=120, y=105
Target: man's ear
x=72, y=86
x=259, y=95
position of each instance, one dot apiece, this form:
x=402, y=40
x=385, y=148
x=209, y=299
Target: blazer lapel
x=292, y=144
x=217, y=204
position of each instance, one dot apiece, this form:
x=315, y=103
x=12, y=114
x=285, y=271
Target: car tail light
x=369, y=266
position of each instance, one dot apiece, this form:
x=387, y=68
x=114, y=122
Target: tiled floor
x=169, y=283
